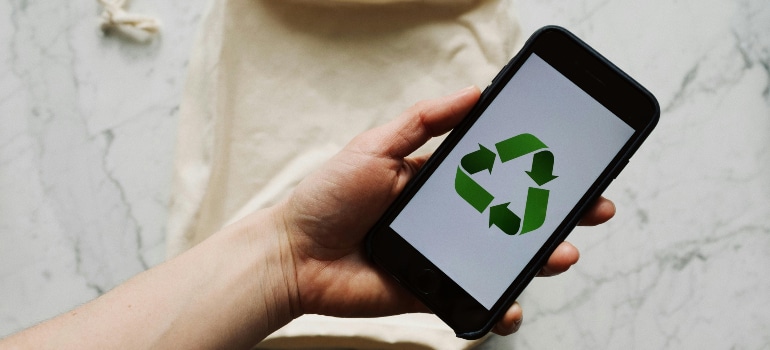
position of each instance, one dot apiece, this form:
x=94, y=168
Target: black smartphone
x=483, y=215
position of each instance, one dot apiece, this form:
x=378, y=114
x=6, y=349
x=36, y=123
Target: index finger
x=427, y=119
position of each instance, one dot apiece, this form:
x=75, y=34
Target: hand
x=303, y=255
x=330, y=212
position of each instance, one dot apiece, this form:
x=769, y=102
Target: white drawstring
x=116, y=17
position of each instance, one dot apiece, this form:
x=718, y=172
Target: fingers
x=566, y=254
x=511, y=321
x=424, y=120
x=602, y=210
x=562, y=258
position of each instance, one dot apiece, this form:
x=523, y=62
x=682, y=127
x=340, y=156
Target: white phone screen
x=550, y=141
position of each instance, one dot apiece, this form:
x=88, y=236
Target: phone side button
x=426, y=281
x=485, y=90
x=494, y=80
x=619, y=169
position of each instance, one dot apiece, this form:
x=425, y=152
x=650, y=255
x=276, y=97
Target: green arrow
x=542, y=168
x=504, y=218
x=537, y=206
x=483, y=159
x=518, y=146
x=472, y=192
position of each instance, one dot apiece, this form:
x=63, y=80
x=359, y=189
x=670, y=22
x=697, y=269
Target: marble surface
x=685, y=264
x=87, y=128
x=87, y=132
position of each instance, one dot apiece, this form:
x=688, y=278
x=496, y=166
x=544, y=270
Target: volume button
x=499, y=73
x=620, y=168
x=483, y=92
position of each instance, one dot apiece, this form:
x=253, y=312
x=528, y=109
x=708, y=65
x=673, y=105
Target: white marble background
x=87, y=132
x=686, y=262
x=87, y=127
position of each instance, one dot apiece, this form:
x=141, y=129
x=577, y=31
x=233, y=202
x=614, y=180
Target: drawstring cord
x=116, y=17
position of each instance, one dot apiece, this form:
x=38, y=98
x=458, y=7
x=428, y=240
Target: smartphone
x=508, y=184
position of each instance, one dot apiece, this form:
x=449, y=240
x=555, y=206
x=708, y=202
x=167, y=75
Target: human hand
x=330, y=212
x=304, y=255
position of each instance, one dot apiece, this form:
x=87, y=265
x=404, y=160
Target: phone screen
x=511, y=180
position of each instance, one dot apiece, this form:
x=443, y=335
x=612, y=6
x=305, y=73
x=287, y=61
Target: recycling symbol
x=537, y=198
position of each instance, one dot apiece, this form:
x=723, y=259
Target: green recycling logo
x=537, y=198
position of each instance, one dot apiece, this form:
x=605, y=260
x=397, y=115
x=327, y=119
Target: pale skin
x=302, y=256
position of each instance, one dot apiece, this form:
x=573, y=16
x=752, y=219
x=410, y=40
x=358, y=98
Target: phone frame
x=595, y=75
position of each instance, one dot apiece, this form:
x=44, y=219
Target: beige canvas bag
x=275, y=87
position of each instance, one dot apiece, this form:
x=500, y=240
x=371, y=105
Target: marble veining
x=87, y=128
x=86, y=151
x=684, y=263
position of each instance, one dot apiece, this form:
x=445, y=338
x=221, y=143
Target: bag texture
x=276, y=87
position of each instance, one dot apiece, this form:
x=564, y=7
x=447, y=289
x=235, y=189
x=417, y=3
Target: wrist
x=230, y=291
x=263, y=245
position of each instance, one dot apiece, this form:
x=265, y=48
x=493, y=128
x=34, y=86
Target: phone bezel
x=602, y=80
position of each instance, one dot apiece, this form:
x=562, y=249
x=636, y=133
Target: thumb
x=426, y=119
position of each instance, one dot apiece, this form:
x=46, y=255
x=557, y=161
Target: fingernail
x=464, y=91
x=517, y=324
